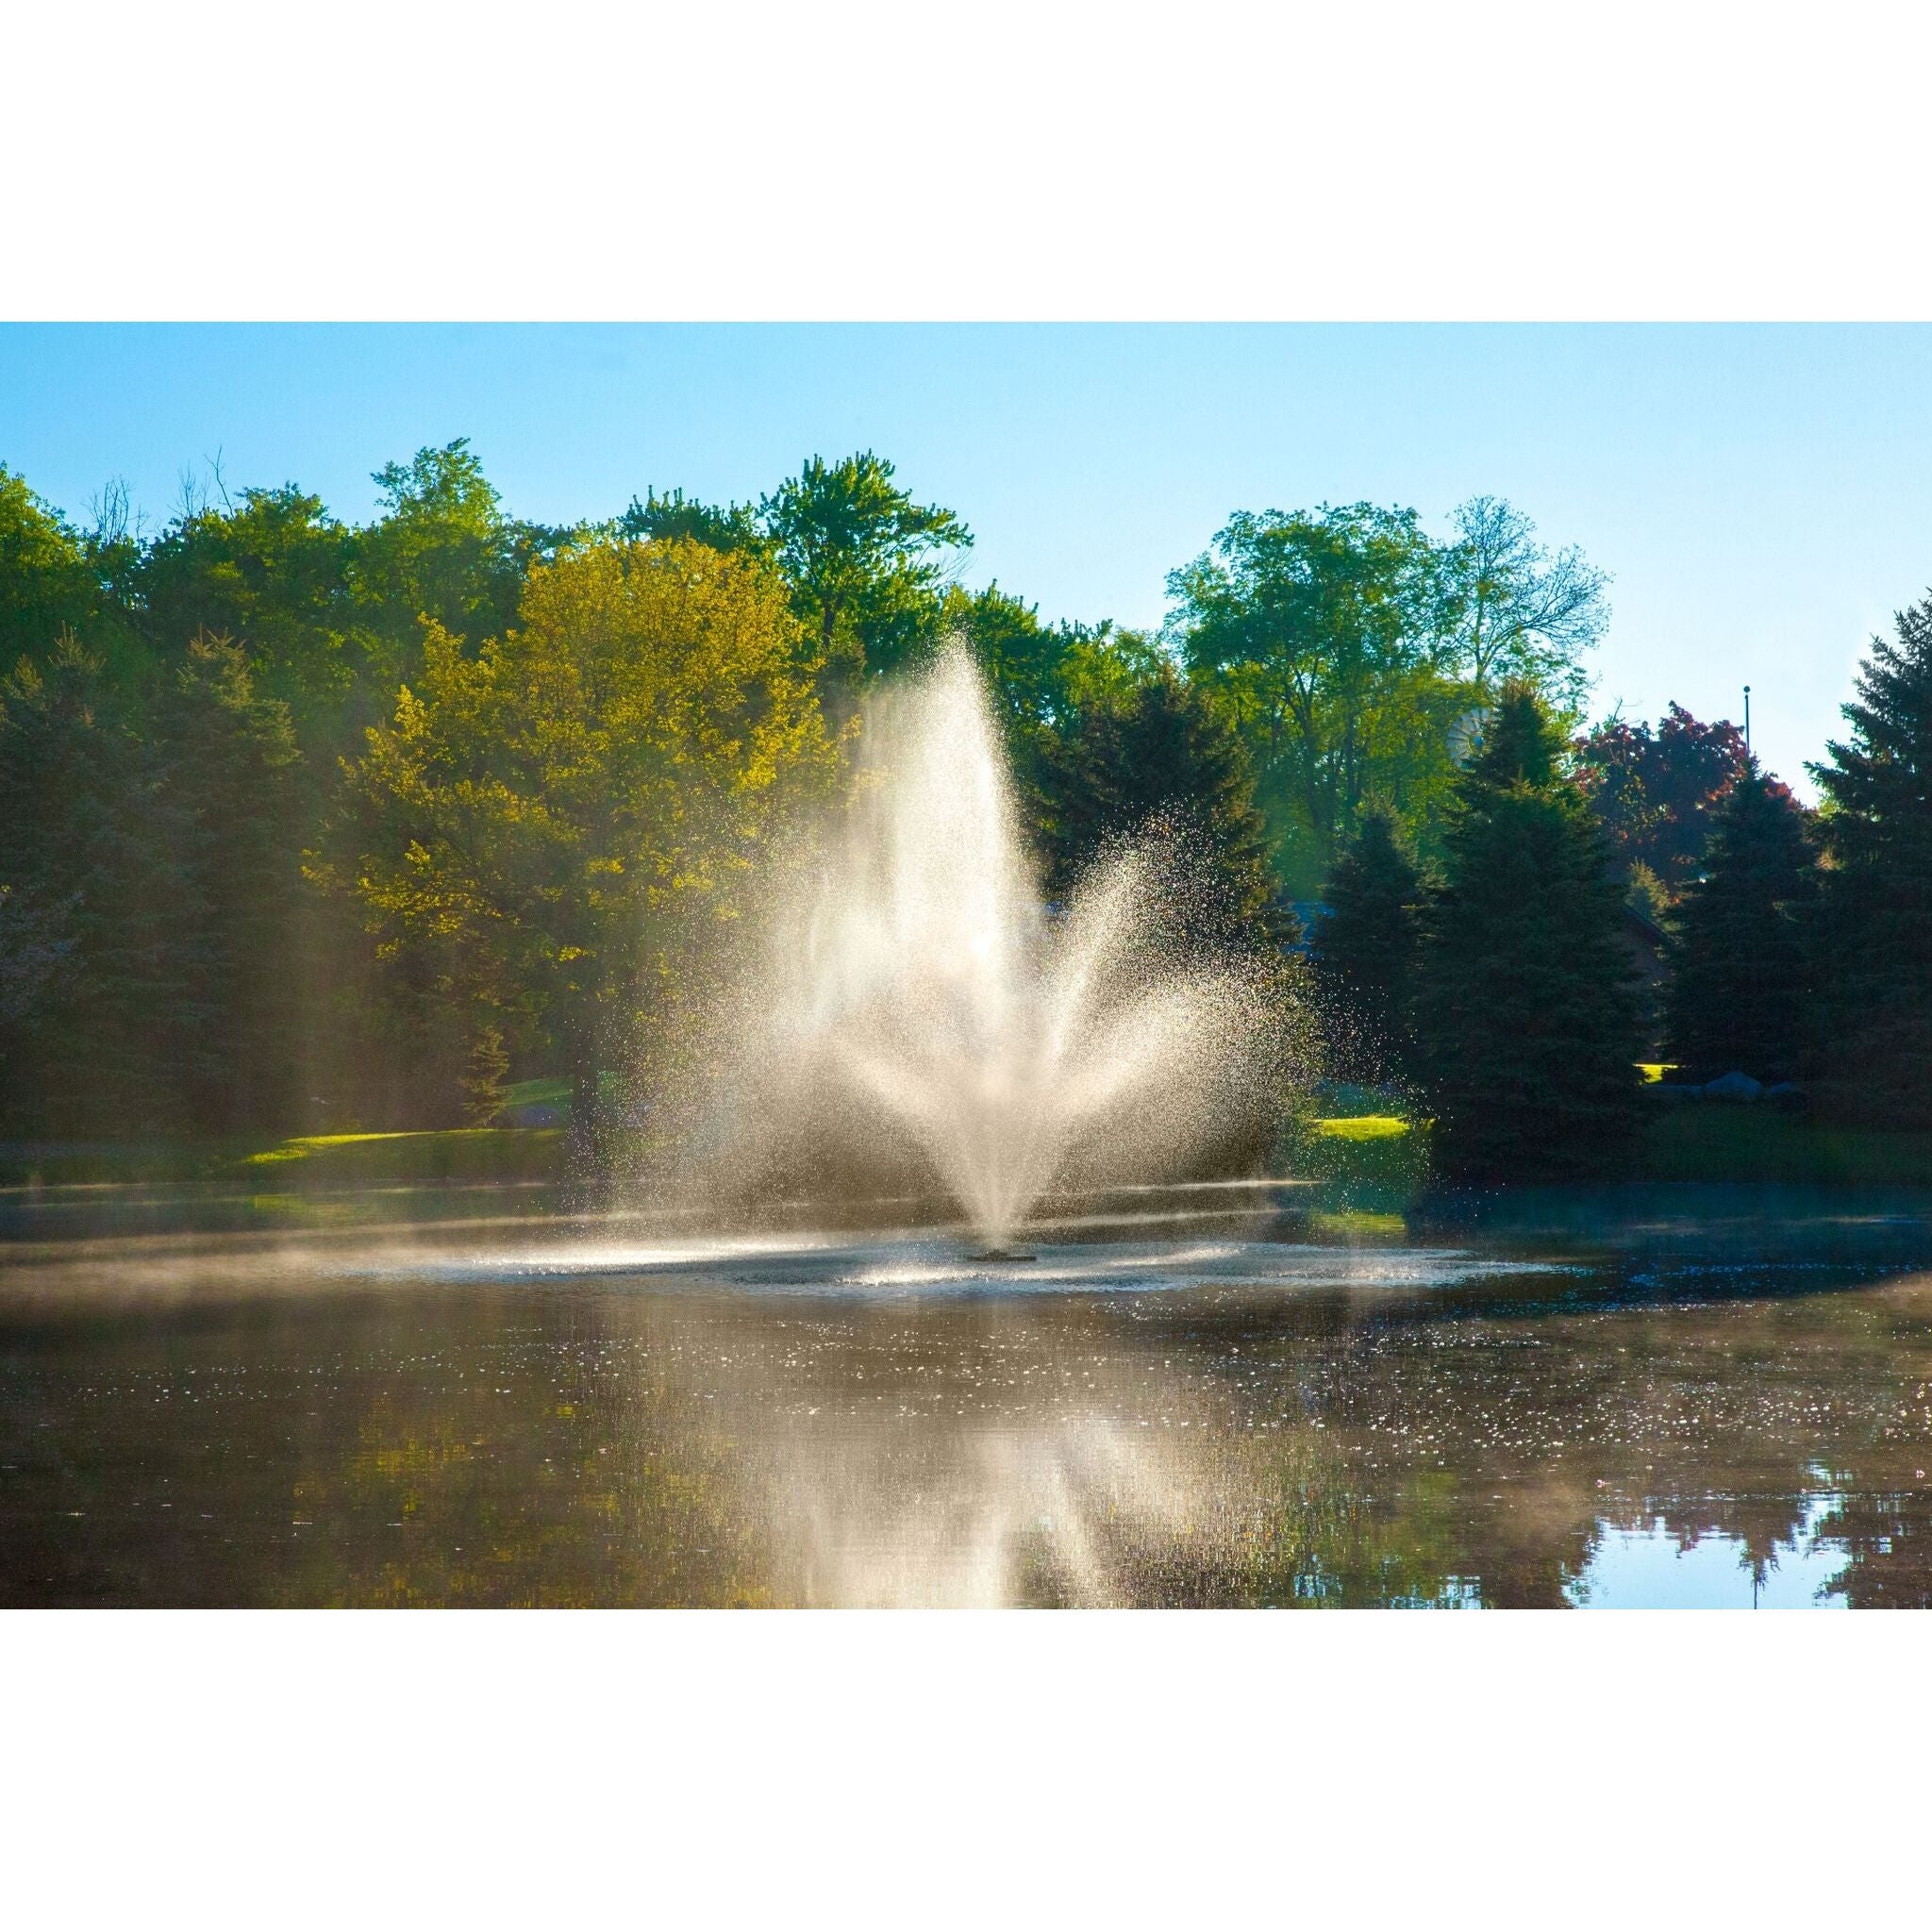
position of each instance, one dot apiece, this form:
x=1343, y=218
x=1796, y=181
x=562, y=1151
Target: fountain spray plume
x=919, y=1004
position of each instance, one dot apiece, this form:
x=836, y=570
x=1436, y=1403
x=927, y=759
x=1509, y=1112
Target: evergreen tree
x=1158, y=756
x=225, y=787
x=1739, y=979
x=1872, y=1046
x=1365, y=952
x=1527, y=1019
x=90, y=863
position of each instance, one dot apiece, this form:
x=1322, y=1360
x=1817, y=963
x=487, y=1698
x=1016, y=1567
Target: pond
x=1672, y=1398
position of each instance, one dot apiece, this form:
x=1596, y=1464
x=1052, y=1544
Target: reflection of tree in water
x=599, y=1442
x=1887, y=1540
x=377, y=1447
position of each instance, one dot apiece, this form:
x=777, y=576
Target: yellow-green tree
x=562, y=817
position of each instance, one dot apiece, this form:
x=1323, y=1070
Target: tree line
x=1498, y=982
x=317, y=823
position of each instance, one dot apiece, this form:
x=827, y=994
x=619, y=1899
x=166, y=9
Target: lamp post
x=1747, y=721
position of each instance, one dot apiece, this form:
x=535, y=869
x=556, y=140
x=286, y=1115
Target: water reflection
x=1489, y=1420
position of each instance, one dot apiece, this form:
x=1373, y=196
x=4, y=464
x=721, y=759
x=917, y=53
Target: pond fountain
x=919, y=1002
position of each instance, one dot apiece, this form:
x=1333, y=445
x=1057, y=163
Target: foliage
x=1739, y=988
x=52, y=581
x=863, y=560
x=556, y=819
x=1364, y=947
x=1315, y=632
x=735, y=526
x=1354, y=654
x=1514, y=611
x=1158, y=756
x=1527, y=1018
x=154, y=874
x=275, y=571
x=1873, y=1051
x=442, y=555
x=1657, y=791
x=90, y=866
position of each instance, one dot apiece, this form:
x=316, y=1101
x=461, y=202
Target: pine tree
x=1527, y=1018
x=1738, y=983
x=91, y=852
x=228, y=763
x=1870, y=1054
x=1365, y=952
x=1157, y=756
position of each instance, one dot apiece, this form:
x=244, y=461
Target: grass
x=550, y=1091
x=1366, y=1165
x=1711, y=1142
x=452, y=1153
x=1371, y=1164
x=1378, y=1163
x=303, y=1162
x=1361, y=1126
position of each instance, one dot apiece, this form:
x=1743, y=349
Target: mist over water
x=921, y=1007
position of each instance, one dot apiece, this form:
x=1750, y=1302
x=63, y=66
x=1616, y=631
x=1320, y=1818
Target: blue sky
x=1762, y=494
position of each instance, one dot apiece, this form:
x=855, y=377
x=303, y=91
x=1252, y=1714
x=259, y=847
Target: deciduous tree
x=1318, y=633
x=560, y=816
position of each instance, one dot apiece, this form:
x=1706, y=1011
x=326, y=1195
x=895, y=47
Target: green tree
x=1873, y=1045
x=1738, y=992
x=92, y=864
x=442, y=553
x=1320, y=634
x=1516, y=610
x=227, y=760
x=1526, y=1017
x=1158, y=757
x=1042, y=679
x=271, y=572
x=735, y=526
x=865, y=563
x=559, y=819
x=50, y=581
x=1364, y=947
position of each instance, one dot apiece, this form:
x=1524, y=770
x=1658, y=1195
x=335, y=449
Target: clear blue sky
x=1762, y=494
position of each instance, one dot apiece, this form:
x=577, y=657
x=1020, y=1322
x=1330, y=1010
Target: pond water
x=1718, y=1399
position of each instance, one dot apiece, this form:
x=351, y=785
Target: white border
x=407, y=161
x=902, y=1769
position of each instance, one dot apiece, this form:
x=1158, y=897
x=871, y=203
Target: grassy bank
x=1709, y=1141
x=1374, y=1162
x=304, y=1161
x=1380, y=1161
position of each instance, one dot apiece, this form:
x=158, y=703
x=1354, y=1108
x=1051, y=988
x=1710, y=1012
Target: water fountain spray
x=920, y=989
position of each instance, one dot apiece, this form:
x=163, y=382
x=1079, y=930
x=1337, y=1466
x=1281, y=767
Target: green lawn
x=1706, y=1140
x=454, y=1154
x=306, y=1160
x=1377, y=1162
x=1365, y=1164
